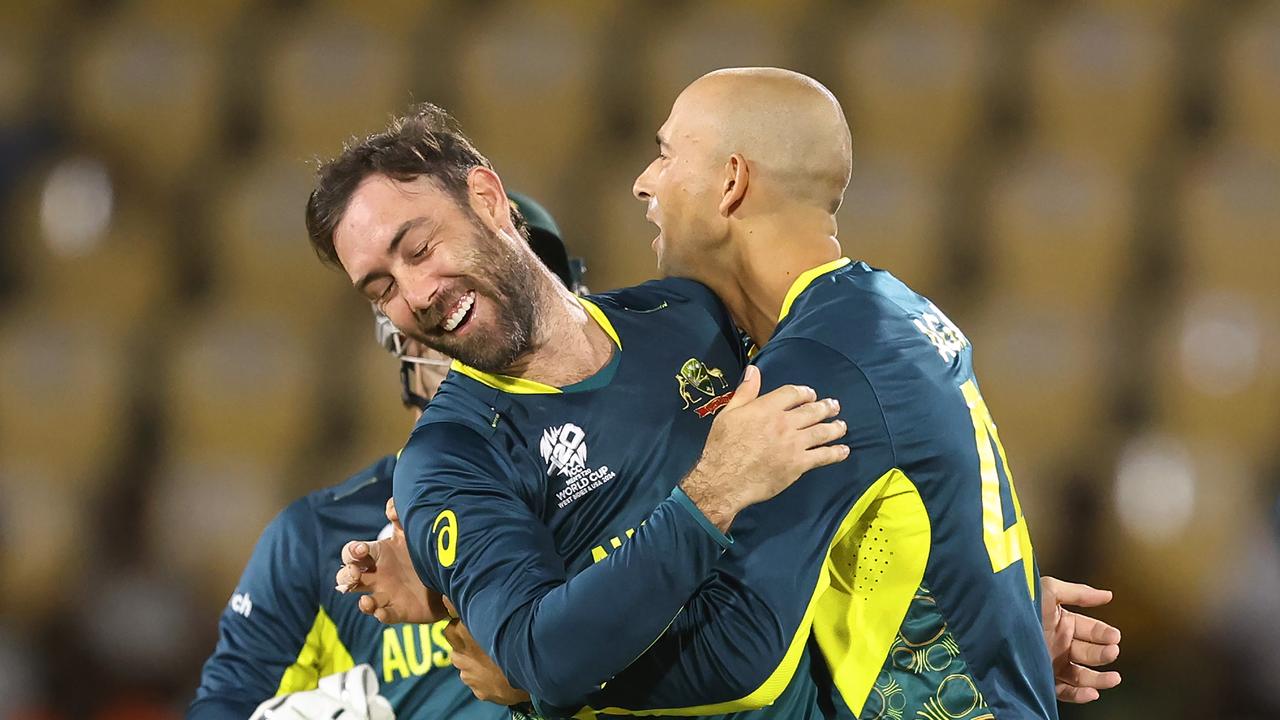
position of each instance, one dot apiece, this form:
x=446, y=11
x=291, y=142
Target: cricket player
x=414, y=217
x=285, y=627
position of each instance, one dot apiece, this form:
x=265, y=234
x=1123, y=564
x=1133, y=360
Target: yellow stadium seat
x=892, y=217
x=1061, y=226
x=912, y=80
x=259, y=247
x=1219, y=379
x=66, y=394
x=1230, y=220
x=19, y=74
x=149, y=93
x=1042, y=370
x=619, y=252
x=242, y=380
x=208, y=18
x=707, y=36
x=89, y=251
x=205, y=513
x=47, y=533
x=381, y=422
x=1251, y=77
x=1102, y=84
x=528, y=93
x=333, y=75
x=1184, y=508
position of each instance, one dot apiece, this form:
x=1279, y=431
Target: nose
x=418, y=296
x=641, y=186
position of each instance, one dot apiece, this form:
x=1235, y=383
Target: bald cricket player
x=910, y=564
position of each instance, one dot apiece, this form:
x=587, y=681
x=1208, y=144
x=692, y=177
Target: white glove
x=350, y=695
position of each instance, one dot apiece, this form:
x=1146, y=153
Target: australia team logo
x=564, y=450
x=702, y=388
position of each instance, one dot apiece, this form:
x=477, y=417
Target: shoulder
x=651, y=295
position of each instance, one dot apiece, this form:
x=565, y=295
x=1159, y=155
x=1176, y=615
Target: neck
x=762, y=261
x=568, y=347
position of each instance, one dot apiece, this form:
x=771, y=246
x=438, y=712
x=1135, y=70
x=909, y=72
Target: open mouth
x=460, y=313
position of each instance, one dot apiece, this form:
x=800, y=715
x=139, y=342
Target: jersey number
x=1008, y=545
x=446, y=529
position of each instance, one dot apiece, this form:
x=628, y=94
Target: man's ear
x=488, y=197
x=737, y=176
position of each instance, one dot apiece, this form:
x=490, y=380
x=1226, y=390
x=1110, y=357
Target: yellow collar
x=521, y=386
x=806, y=278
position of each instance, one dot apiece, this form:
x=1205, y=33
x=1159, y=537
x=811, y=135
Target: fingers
x=812, y=413
x=823, y=433
x=1083, y=677
x=448, y=606
x=348, y=578
x=393, y=517
x=1077, y=594
x=1093, y=655
x=361, y=554
x=824, y=455
x=1070, y=694
x=787, y=397
x=1095, y=631
x=459, y=637
x=747, y=390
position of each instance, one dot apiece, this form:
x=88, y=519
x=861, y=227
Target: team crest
x=702, y=388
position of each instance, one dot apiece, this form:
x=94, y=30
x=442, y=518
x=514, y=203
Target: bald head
x=788, y=126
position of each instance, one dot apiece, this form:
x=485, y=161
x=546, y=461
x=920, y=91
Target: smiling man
x=562, y=431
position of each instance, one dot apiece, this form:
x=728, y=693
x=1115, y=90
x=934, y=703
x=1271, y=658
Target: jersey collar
x=805, y=280
x=521, y=386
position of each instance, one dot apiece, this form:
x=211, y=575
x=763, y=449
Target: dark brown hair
x=424, y=142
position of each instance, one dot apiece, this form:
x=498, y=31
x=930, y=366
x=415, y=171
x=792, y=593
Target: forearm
x=564, y=644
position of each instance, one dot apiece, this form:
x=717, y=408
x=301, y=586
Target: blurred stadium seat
x=83, y=249
x=708, y=36
x=1251, y=77
x=1220, y=378
x=149, y=93
x=524, y=78
x=1061, y=227
x=1229, y=216
x=242, y=382
x=206, y=512
x=260, y=252
x=892, y=217
x=1102, y=83
x=380, y=423
x=66, y=395
x=912, y=80
x=331, y=74
x=1182, y=507
x=1043, y=370
x=47, y=537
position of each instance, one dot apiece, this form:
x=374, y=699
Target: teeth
x=464, y=306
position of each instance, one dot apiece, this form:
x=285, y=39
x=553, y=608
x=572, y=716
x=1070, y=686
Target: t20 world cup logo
x=564, y=448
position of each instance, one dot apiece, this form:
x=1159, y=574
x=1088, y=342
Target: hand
x=1077, y=643
x=383, y=571
x=476, y=670
x=760, y=445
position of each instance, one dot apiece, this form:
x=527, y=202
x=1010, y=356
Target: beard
x=505, y=278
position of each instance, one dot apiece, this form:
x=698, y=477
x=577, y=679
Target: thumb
x=748, y=389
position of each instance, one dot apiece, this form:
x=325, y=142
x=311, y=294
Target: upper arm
x=796, y=361
x=471, y=536
x=265, y=624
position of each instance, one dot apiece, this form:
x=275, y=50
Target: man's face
x=444, y=277
x=682, y=189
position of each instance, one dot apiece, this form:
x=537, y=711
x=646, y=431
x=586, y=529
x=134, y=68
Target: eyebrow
x=391, y=249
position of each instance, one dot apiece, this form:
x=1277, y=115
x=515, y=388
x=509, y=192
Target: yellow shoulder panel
x=855, y=619
x=322, y=654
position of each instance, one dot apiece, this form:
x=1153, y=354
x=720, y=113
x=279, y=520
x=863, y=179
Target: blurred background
x=1090, y=189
